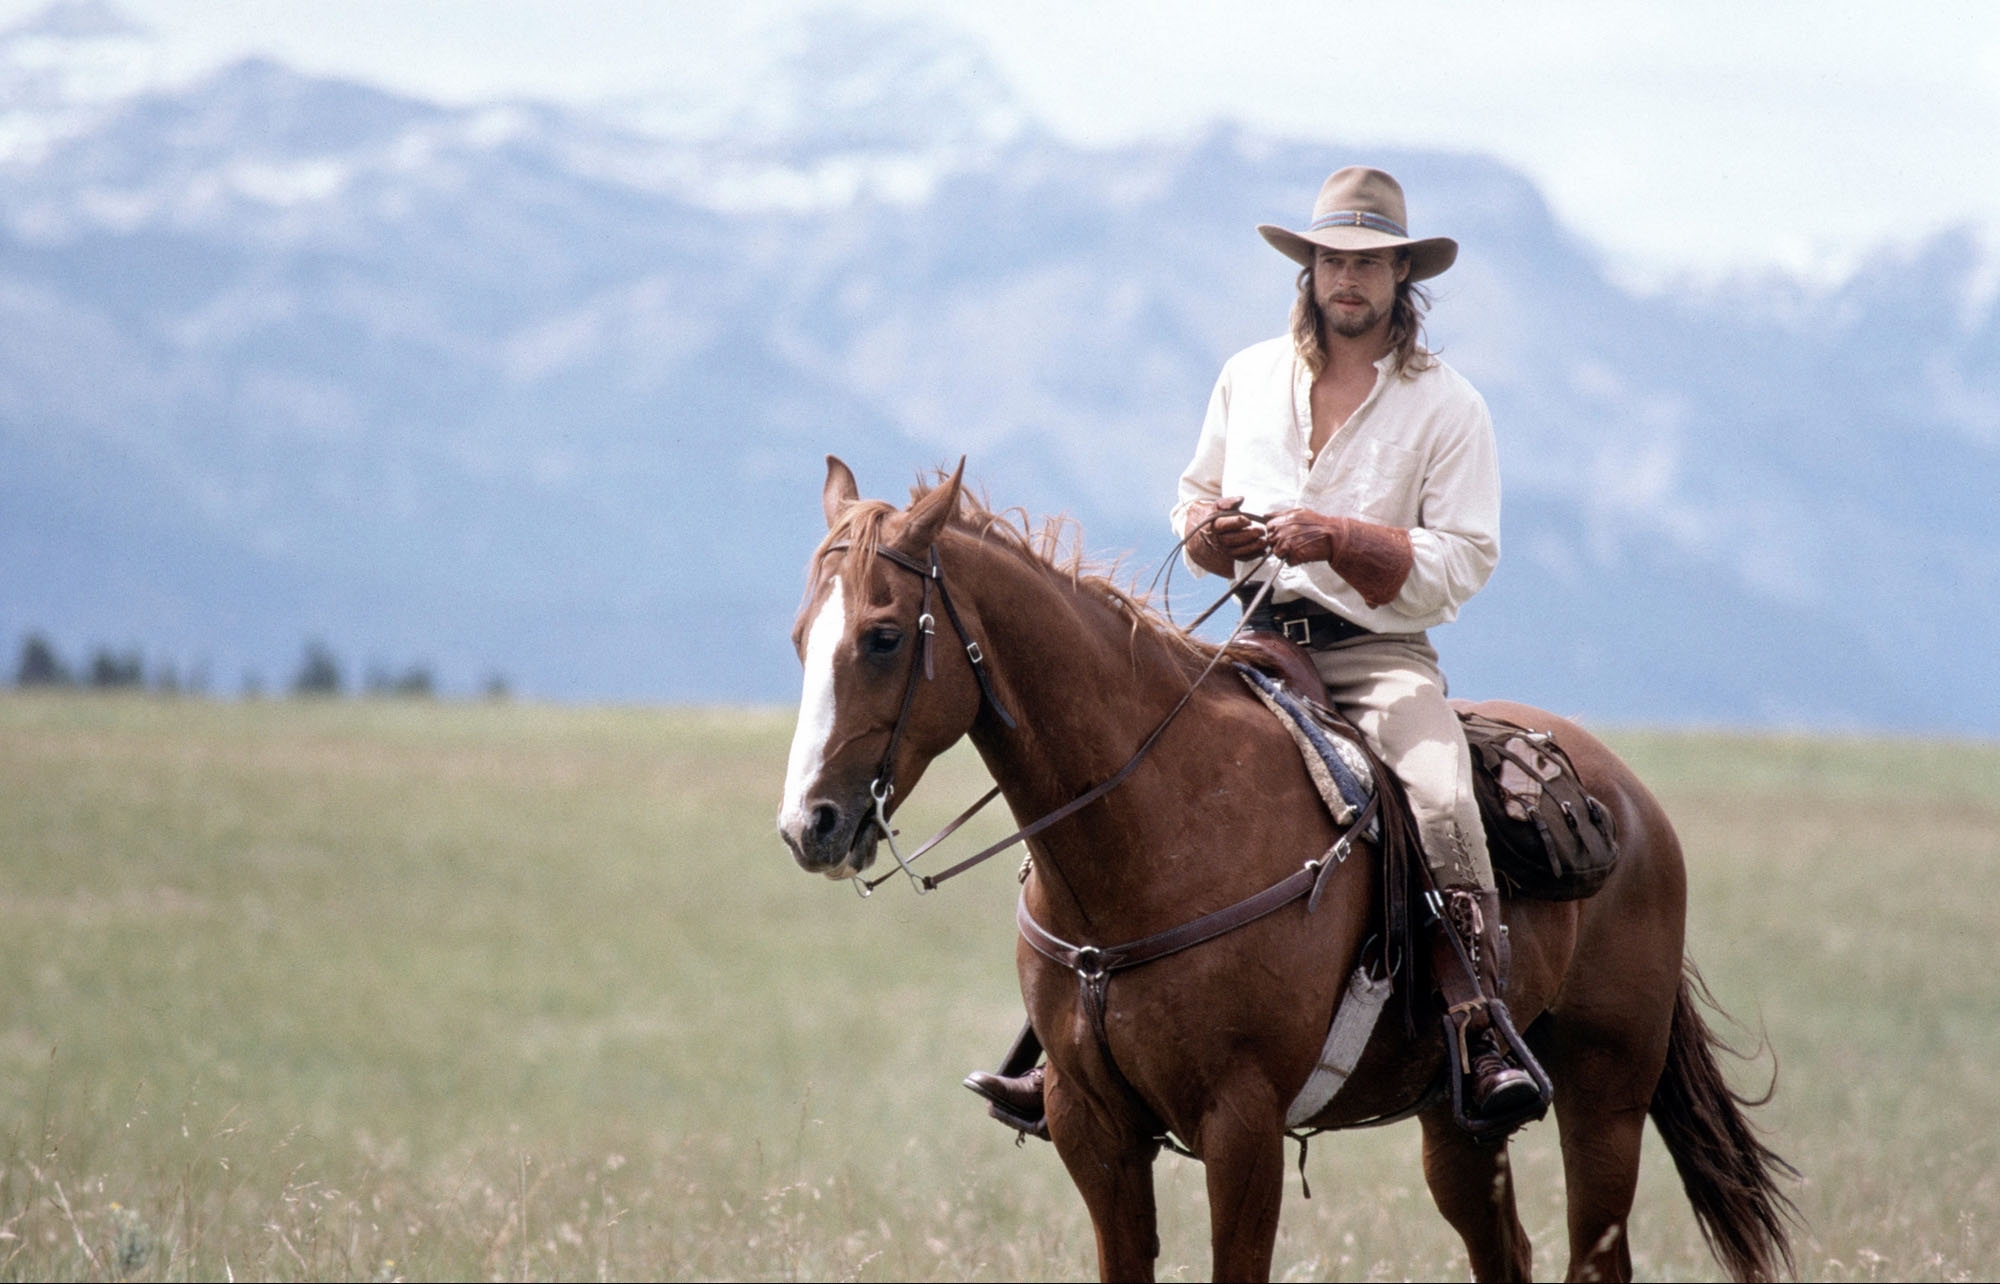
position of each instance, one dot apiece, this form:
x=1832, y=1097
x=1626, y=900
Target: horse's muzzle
x=831, y=839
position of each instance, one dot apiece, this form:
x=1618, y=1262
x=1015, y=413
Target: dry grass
x=426, y=991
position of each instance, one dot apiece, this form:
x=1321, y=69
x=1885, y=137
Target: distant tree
x=319, y=673
x=40, y=666
x=111, y=670
x=166, y=678
x=496, y=687
x=416, y=683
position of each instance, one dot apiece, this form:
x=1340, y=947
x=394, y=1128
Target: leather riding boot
x=1015, y=1100
x=1496, y=1091
x=1014, y=1093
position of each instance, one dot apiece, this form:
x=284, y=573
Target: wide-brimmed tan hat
x=1362, y=209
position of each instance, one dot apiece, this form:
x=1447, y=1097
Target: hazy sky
x=1693, y=134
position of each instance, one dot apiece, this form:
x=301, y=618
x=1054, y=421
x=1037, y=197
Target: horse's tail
x=1730, y=1175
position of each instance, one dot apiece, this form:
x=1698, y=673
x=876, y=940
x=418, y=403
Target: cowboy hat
x=1362, y=209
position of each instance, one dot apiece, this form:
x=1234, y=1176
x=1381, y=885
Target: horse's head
x=871, y=718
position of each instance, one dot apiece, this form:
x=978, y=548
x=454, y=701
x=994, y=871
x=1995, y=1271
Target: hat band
x=1358, y=218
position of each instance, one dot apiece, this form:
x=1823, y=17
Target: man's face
x=1356, y=288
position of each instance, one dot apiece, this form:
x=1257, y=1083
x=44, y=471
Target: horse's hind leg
x=1604, y=1072
x=1473, y=1186
x=1600, y=1149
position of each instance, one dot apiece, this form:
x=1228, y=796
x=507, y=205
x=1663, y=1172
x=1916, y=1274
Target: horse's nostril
x=825, y=820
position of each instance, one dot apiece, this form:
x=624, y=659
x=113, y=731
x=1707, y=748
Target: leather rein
x=883, y=788
x=1092, y=965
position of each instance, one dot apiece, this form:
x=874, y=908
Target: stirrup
x=1026, y=1127
x=1515, y=1108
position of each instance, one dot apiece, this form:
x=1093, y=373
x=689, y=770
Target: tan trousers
x=1390, y=687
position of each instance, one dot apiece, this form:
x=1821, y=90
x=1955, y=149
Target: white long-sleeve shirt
x=1418, y=453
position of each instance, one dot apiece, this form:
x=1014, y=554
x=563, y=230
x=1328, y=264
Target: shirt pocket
x=1380, y=482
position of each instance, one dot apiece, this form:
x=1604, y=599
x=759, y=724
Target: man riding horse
x=1366, y=468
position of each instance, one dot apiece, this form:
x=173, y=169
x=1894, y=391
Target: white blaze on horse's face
x=815, y=729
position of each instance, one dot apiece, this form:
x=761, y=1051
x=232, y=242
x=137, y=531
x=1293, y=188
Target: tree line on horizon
x=319, y=674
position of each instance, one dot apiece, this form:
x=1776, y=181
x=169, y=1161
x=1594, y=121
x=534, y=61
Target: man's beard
x=1351, y=325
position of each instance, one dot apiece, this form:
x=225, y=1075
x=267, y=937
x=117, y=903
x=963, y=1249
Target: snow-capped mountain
x=63, y=71
x=525, y=389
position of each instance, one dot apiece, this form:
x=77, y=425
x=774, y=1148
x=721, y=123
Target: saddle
x=1547, y=837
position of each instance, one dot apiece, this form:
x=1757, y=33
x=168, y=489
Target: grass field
x=417, y=990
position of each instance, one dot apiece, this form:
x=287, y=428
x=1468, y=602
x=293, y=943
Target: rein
x=1093, y=965
x=883, y=787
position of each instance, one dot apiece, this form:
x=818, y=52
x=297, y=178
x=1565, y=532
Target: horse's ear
x=929, y=514
x=840, y=490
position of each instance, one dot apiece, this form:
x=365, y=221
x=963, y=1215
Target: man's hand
x=1301, y=535
x=1374, y=559
x=1216, y=546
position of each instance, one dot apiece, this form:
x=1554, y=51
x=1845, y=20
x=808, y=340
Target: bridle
x=883, y=787
x=1092, y=965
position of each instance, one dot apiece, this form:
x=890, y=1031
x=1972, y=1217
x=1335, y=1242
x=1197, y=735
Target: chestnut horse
x=1213, y=1043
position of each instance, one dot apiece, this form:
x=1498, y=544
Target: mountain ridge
x=501, y=387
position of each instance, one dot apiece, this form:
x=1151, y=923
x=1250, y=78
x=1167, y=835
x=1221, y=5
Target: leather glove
x=1375, y=559
x=1229, y=539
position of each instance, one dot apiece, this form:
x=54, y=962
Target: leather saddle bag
x=1548, y=838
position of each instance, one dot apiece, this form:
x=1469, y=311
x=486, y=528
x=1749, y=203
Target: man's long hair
x=1406, y=325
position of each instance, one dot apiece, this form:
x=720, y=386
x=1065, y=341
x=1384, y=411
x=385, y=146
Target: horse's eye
x=883, y=641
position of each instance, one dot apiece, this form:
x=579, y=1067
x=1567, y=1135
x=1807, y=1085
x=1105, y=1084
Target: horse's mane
x=1052, y=546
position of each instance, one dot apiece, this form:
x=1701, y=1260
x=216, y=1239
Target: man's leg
x=1391, y=689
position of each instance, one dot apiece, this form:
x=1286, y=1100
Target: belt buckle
x=1305, y=631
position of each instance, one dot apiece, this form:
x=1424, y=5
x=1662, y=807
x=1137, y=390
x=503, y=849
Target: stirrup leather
x=1470, y=954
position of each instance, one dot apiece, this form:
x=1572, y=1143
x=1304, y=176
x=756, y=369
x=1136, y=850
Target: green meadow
x=406, y=989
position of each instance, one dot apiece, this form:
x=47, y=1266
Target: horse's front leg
x=1242, y=1145
x=1111, y=1162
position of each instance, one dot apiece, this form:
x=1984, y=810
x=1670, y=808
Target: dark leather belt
x=1302, y=622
